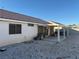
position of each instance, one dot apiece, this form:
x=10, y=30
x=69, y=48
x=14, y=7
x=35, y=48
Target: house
x=74, y=27
x=15, y=27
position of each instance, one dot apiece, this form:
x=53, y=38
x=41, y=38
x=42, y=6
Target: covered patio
x=57, y=31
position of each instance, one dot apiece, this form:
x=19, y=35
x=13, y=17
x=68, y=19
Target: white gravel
x=44, y=49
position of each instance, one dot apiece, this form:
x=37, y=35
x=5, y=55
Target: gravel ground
x=44, y=49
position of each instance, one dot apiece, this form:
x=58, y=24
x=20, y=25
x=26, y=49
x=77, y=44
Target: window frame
x=15, y=28
x=30, y=25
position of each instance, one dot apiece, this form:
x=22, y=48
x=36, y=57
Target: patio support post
x=64, y=33
x=58, y=34
x=48, y=31
x=67, y=32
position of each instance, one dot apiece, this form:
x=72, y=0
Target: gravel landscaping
x=44, y=49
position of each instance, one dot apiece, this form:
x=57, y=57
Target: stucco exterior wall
x=28, y=33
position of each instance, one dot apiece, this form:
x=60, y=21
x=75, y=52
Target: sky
x=63, y=11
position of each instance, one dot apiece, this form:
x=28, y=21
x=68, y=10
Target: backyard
x=48, y=48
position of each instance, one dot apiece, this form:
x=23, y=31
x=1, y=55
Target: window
x=30, y=24
x=14, y=28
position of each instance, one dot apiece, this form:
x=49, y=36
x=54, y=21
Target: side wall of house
x=28, y=33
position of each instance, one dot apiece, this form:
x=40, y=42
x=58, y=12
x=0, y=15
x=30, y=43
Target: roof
x=55, y=23
x=20, y=17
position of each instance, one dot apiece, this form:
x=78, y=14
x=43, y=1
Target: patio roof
x=53, y=23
